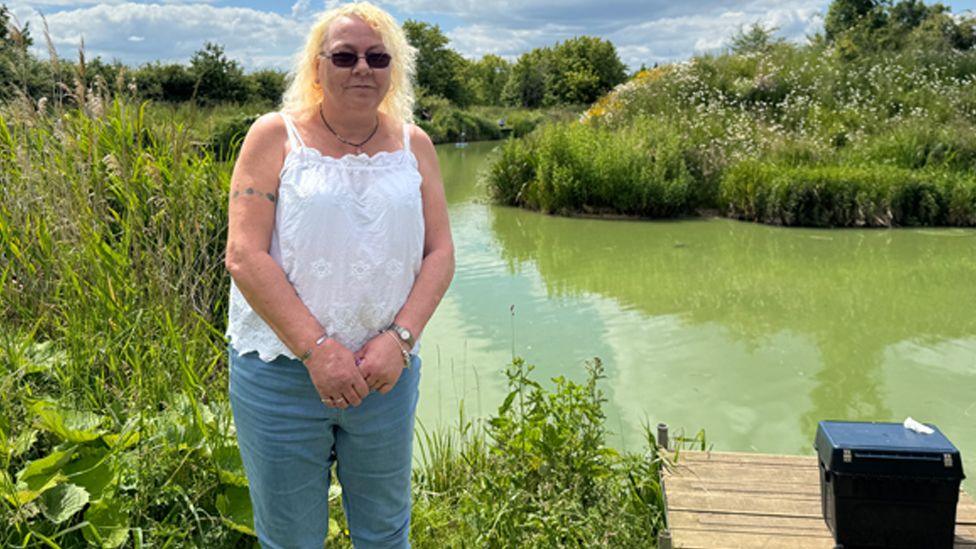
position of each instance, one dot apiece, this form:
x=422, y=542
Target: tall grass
x=571, y=167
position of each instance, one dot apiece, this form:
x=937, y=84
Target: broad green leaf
x=93, y=470
x=32, y=487
x=71, y=425
x=107, y=524
x=334, y=530
x=47, y=464
x=234, y=505
x=507, y=404
x=229, y=466
x=63, y=501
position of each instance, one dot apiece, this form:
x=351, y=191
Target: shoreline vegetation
x=874, y=126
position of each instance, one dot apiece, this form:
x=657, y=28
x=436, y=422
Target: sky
x=264, y=34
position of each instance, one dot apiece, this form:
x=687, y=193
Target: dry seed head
x=112, y=165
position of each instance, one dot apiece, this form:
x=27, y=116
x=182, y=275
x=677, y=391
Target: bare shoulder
x=269, y=126
x=419, y=137
x=421, y=145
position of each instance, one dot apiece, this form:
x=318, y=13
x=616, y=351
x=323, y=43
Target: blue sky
x=266, y=34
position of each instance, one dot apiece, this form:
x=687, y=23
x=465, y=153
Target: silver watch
x=402, y=333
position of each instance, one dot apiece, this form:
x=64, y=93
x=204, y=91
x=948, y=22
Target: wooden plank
x=740, y=473
x=738, y=522
x=758, y=540
x=744, y=457
x=727, y=500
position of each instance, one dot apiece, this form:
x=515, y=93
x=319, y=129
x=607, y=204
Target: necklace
x=359, y=146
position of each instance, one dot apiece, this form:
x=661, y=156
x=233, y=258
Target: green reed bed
x=848, y=196
x=678, y=139
x=115, y=429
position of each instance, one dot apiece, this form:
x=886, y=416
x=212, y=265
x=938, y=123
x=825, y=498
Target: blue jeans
x=288, y=440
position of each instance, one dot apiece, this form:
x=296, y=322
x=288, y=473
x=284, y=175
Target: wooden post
x=662, y=435
x=664, y=539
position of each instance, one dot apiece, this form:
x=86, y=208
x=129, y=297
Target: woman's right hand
x=335, y=375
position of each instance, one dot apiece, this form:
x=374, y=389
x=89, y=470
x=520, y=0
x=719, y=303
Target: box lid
x=886, y=449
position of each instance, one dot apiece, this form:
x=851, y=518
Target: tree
x=526, y=85
x=487, y=78
x=217, y=77
x=171, y=82
x=843, y=15
x=859, y=26
x=18, y=68
x=440, y=70
x=941, y=32
x=582, y=69
x=266, y=85
x=758, y=38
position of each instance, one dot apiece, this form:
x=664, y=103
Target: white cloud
x=172, y=32
x=476, y=40
x=644, y=31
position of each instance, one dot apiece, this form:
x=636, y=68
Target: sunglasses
x=347, y=59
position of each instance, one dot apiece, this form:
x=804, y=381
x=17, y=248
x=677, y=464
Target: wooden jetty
x=718, y=500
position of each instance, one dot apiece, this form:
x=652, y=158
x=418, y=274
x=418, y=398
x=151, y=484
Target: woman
x=339, y=250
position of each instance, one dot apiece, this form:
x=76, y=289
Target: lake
x=750, y=332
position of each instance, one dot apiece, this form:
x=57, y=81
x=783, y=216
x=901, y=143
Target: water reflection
x=754, y=333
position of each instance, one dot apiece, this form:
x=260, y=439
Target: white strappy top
x=349, y=234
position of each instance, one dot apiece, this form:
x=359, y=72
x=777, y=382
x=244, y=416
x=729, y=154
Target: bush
x=574, y=168
x=450, y=125
x=847, y=196
x=914, y=146
x=511, y=171
x=225, y=142
x=543, y=476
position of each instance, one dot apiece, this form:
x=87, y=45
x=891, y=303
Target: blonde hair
x=303, y=94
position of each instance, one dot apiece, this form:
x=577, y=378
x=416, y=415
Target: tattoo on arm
x=251, y=191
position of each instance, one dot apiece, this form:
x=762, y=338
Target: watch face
x=403, y=333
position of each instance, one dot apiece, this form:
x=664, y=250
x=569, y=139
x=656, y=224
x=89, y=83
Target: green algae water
x=750, y=332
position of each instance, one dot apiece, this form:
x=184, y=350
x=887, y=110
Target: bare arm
x=437, y=268
x=251, y=217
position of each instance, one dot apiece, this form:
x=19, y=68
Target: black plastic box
x=882, y=485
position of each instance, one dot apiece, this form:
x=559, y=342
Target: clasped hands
x=344, y=378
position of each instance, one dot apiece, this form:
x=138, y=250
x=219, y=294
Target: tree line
x=576, y=71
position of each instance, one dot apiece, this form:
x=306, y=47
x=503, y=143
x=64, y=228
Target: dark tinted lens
x=344, y=59
x=378, y=60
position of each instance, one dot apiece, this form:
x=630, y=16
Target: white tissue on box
x=913, y=425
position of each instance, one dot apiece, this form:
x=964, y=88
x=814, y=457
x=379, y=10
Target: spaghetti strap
x=406, y=136
x=294, y=139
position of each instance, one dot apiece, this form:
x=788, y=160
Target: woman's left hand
x=381, y=362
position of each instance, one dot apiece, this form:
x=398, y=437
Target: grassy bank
x=114, y=422
x=884, y=139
